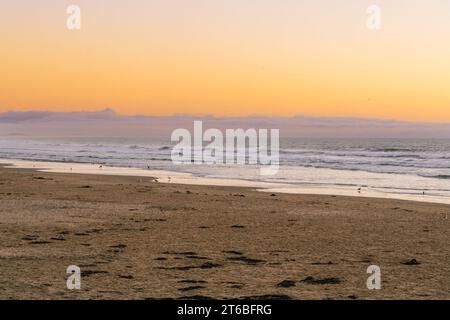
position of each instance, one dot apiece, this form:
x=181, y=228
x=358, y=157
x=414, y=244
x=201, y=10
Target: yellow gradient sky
x=228, y=57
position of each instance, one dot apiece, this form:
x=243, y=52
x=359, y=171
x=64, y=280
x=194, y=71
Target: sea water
x=391, y=168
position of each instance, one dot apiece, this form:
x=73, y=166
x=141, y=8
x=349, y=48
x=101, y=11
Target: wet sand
x=134, y=238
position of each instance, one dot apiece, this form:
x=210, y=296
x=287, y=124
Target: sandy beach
x=135, y=238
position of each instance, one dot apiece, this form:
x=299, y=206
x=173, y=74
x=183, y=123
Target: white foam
x=189, y=179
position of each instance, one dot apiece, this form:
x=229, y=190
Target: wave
x=422, y=159
x=393, y=149
x=439, y=176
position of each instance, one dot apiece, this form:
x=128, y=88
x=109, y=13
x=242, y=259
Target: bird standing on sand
x=359, y=190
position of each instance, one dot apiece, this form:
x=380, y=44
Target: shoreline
x=174, y=177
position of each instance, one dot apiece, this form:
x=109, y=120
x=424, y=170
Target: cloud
x=107, y=123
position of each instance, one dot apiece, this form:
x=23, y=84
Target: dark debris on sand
x=322, y=263
x=234, y=252
x=206, y=265
x=322, y=281
x=412, y=262
x=87, y=273
x=286, y=284
x=191, y=288
x=192, y=281
x=40, y=242
x=119, y=246
x=59, y=237
x=246, y=260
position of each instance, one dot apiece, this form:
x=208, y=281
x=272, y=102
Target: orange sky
x=233, y=57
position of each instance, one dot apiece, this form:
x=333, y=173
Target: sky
x=228, y=58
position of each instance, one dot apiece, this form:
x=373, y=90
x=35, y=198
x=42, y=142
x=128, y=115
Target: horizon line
x=113, y=111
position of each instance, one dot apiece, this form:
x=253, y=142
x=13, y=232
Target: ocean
x=397, y=168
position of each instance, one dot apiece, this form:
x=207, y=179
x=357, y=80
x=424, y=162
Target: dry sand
x=137, y=239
